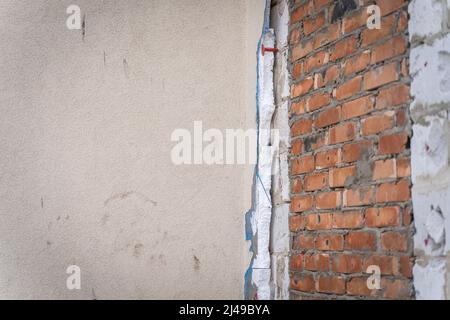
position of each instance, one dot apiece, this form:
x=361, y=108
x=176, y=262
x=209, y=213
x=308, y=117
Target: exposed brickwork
x=350, y=157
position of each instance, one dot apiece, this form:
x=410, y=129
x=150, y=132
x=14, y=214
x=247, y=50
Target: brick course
x=350, y=156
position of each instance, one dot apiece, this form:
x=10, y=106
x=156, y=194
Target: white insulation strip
x=261, y=217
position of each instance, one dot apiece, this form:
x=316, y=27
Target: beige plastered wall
x=86, y=176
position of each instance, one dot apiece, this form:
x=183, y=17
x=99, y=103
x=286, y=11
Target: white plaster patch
x=429, y=280
x=280, y=277
x=427, y=203
x=425, y=18
x=435, y=226
x=430, y=68
x=429, y=152
x=280, y=23
x=261, y=278
x=280, y=229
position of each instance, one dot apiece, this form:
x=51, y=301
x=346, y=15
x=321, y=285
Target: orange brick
x=318, y=4
x=406, y=266
x=331, y=284
x=358, y=197
x=328, y=158
x=394, y=192
x=301, y=203
x=358, y=287
x=402, y=22
x=389, y=6
x=297, y=147
x=316, y=181
x=296, y=223
x=401, y=117
x=392, y=144
x=391, y=48
x=341, y=177
x=328, y=200
x=348, y=220
x=349, y=88
x=342, y=133
x=297, y=108
x=295, y=36
x=316, y=61
x=297, y=70
x=297, y=185
x=314, y=141
x=381, y=76
x=388, y=264
x=322, y=221
x=317, y=101
x=297, y=262
x=302, y=165
x=383, y=217
x=404, y=167
x=393, y=96
x=395, y=289
x=347, y=263
x=384, y=169
x=407, y=217
x=344, y=48
x=328, y=117
x=394, y=241
x=301, y=50
x=354, y=151
x=370, y=36
x=317, y=262
x=378, y=123
x=331, y=75
x=360, y=240
x=358, y=107
x=330, y=34
x=301, y=88
x=303, y=242
x=356, y=64
x=302, y=11
x=302, y=282
x=330, y=242
x=313, y=24
x=405, y=67
x=355, y=20
x=301, y=127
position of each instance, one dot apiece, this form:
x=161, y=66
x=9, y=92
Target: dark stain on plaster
x=94, y=296
x=196, y=263
x=83, y=27
x=137, y=250
x=444, y=63
x=126, y=195
x=341, y=8
x=126, y=68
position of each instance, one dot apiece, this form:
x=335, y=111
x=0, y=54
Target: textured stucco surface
x=280, y=236
x=85, y=171
x=429, y=28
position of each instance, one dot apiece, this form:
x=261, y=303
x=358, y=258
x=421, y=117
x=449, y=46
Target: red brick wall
x=350, y=157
